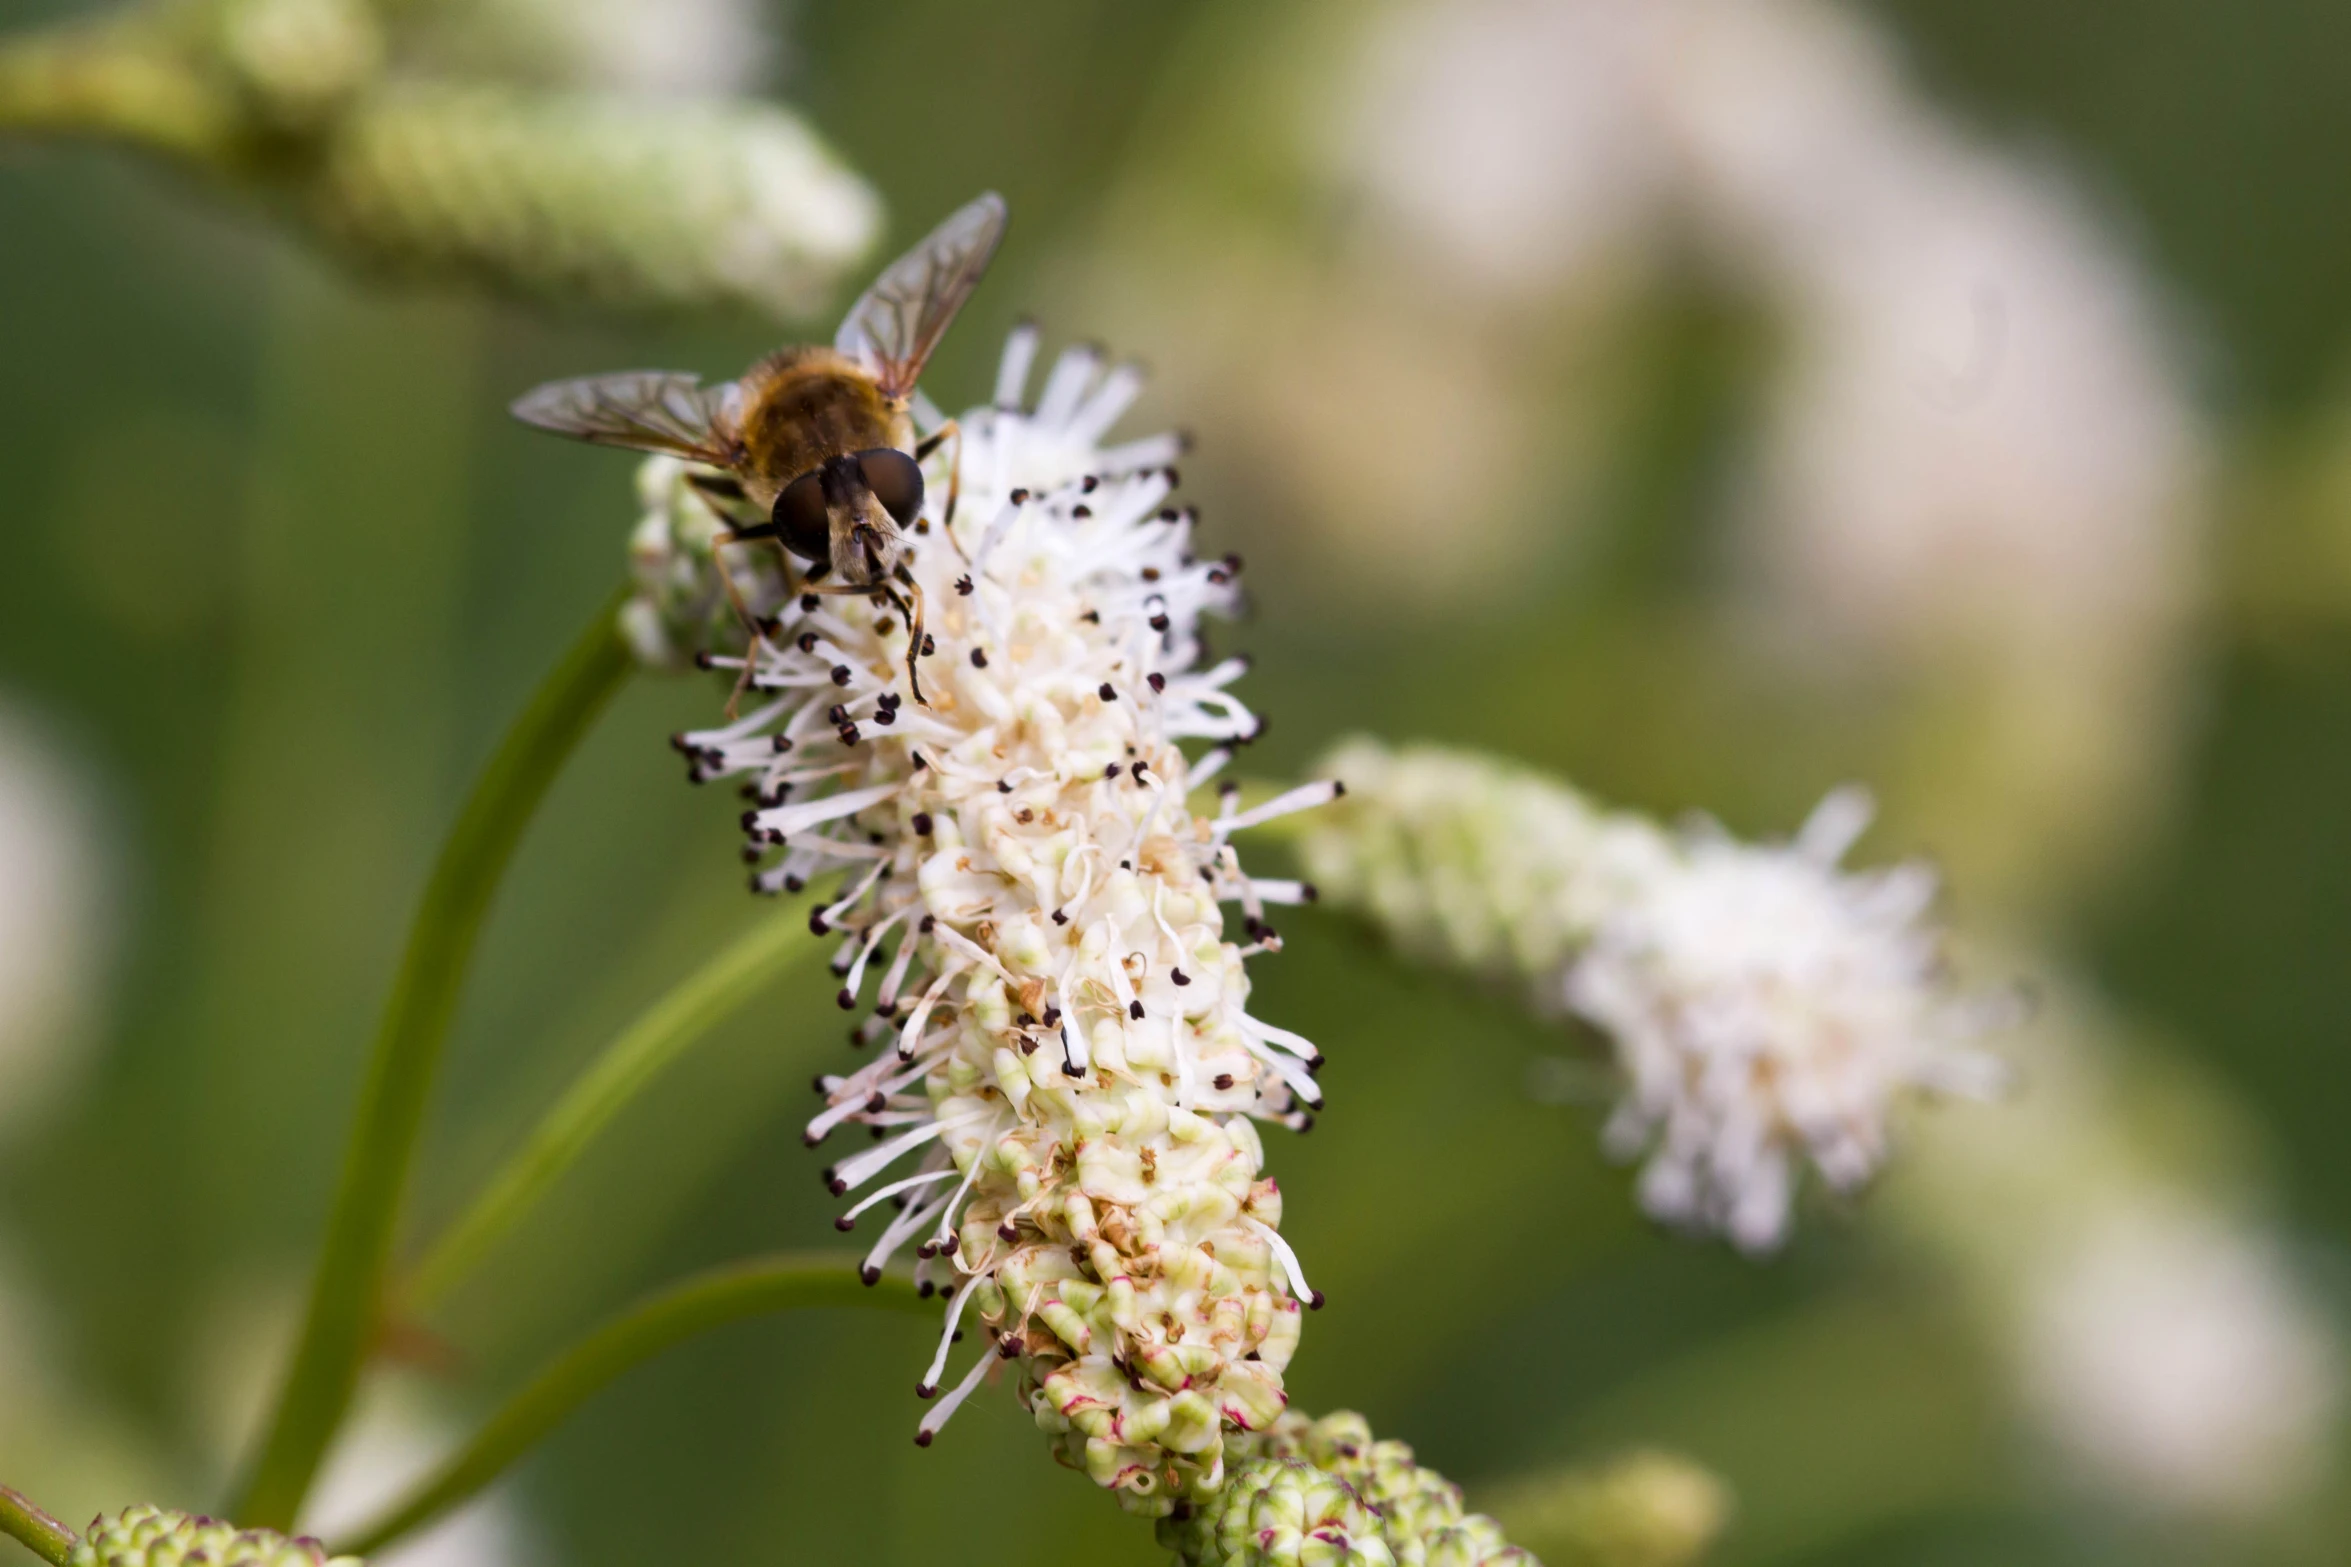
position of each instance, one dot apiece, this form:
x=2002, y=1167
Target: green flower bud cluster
x=153, y=1537
x=1326, y=1492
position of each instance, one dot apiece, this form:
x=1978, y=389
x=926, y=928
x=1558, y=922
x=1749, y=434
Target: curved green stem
x=347, y=1288
x=641, y=1053
x=710, y=1300
x=43, y=1535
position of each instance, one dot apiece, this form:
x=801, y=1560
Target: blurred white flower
x=2172, y=1353
x=51, y=922
x=1978, y=433
x=2105, y=1231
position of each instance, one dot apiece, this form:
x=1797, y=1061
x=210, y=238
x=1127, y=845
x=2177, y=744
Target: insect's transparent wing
x=894, y=327
x=645, y=410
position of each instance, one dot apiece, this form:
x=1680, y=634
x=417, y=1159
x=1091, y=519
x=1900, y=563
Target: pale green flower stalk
x=1767, y=1009
x=331, y=112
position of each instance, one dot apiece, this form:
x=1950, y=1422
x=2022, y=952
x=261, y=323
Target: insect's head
x=855, y=491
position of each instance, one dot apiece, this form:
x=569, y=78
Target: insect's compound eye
x=896, y=481
x=801, y=520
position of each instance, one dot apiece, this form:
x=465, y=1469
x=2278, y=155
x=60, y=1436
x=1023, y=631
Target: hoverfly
x=815, y=446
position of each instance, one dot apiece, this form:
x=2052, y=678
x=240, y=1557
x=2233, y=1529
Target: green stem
x=346, y=1290
x=43, y=1535
x=109, y=81
x=641, y=1053
x=710, y=1300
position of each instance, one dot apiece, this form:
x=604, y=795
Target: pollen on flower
x=1066, y=1095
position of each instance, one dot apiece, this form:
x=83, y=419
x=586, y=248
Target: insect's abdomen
x=805, y=405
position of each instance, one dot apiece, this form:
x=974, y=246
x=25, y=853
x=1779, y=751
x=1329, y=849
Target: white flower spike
x=1066, y=1074
x=1767, y=1009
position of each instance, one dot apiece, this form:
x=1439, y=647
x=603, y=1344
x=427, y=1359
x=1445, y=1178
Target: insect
x=814, y=446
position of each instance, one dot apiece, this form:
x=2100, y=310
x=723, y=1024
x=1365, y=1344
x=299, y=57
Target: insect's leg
x=930, y=444
x=914, y=631
x=752, y=634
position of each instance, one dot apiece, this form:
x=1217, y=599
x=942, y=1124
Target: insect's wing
x=644, y=410
x=894, y=327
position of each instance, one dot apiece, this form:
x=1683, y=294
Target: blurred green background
x=280, y=571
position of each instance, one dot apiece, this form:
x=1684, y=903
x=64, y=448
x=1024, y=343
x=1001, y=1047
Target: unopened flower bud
x=152, y=1537
x=1647, y=1509
x=631, y=201
x=1373, y=1502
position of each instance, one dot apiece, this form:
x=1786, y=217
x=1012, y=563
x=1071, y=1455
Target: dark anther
x=979, y=658
x=963, y=586
x=1158, y=681
x=780, y=744
x=1111, y=771
x=1173, y=478
x=1002, y=787
x=816, y=922
x=922, y=1438
x=928, y=920
x=1179, y=976
x=1088, y=485
x=1020, y=497
x=1053, y=1017
x=1072, y=1069
x=930, y=644
x=1224, y=1080
x=886, y=717
x=1060, y=918
x=1108, y=693
x=840, y=674
x=1160, y=622
x=819, y=1083
x=922, y=824
x=833, y=1183
x=836, y=715
x=870, y=1274
x=1314, y=1302
x=844, y=1224
x=1315, y=1062
x=1081, y=511
x=846, y=1000
x=1167, y=514
x=807, y=641
x=1135, y=1010
x=1232, y=561
x=849, y=735
x=808, y=603
x=1338, y=789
